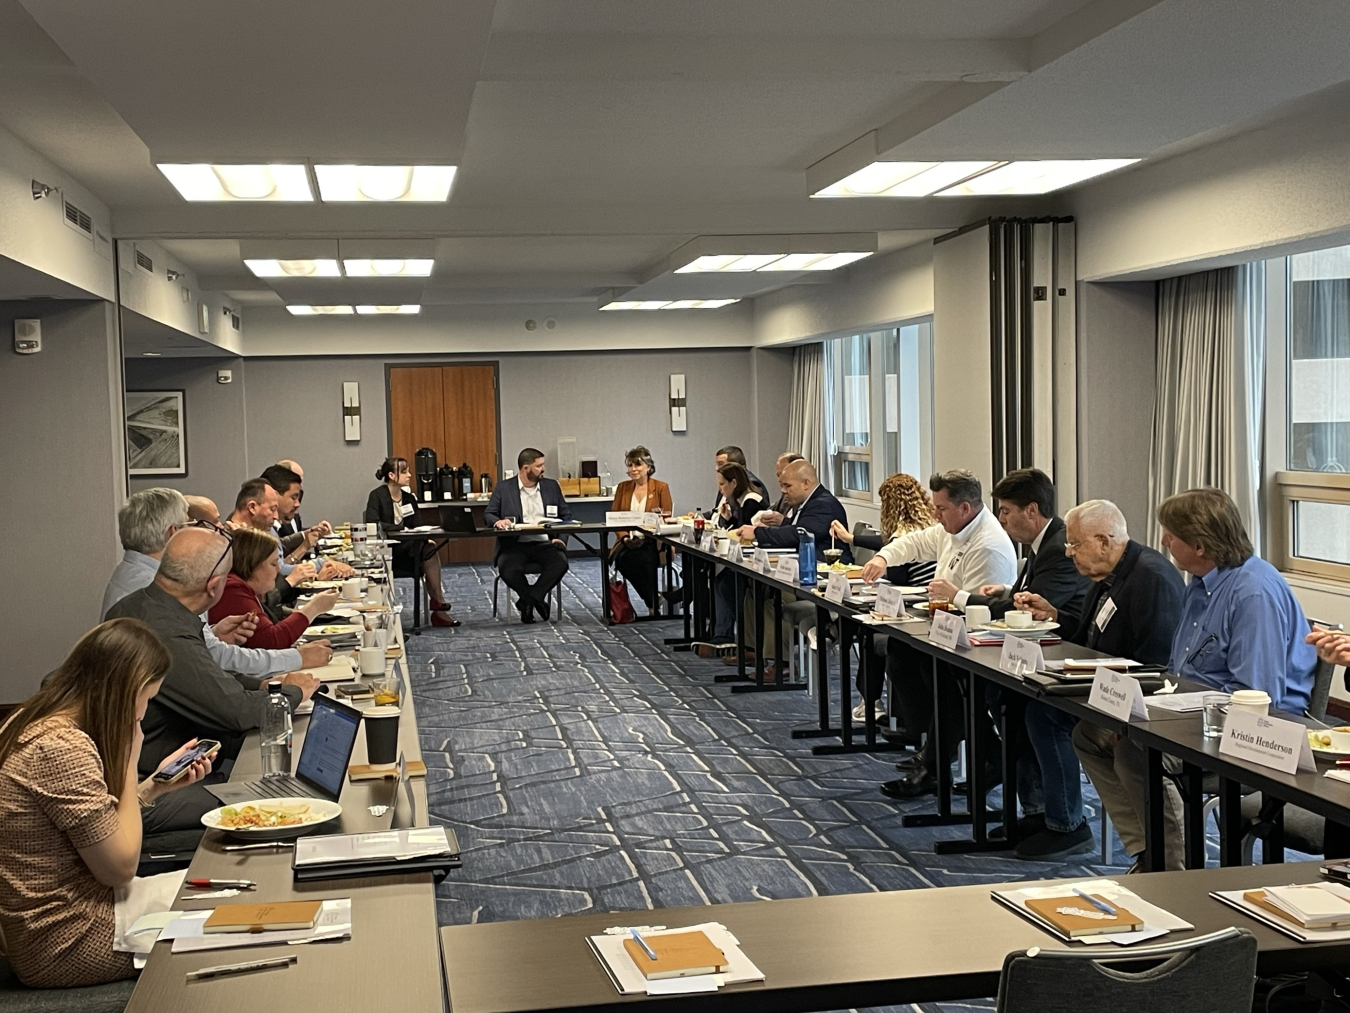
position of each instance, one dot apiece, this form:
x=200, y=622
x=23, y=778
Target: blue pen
x=1100, y=905
x=642, y=942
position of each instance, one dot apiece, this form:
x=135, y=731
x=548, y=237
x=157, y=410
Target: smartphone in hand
x=179, y=767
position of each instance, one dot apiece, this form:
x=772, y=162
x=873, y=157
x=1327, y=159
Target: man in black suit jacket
x=735, y=455
x=810, y=506
x=529, y=499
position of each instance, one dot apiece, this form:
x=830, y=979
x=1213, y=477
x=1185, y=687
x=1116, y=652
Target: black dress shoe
x=908, y=763
x=915, y=784
x=525, y=609
x=1027, y=826
x=1053, y=845
x=542, y=607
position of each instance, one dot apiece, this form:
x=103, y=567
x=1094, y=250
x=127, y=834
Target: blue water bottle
x=806, y=557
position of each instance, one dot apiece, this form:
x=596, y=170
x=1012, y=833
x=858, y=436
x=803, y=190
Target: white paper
x=1020, y=657
x=890, y=600
x=412, y=842
x=334, y=917
x=1157, y=921
x=1117, y=694
x=948, y=631
x=836, y=589
x=1234, y=898
x=1182, y=703
x=1269, y=742
x=684, y=986
x=786, y=570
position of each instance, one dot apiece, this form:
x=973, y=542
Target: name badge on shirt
x=1104, y=614
x=405, y=509
x=550, y=511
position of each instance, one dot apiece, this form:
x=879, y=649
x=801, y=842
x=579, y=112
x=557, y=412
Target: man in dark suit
x=530, y=498
x=1026, y=509
x=1131, y=611
x=735, y=455
x=809, y=505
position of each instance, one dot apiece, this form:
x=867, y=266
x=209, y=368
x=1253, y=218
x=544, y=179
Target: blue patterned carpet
x=587, y=768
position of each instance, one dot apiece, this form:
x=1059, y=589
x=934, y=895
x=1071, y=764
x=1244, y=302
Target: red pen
x=229, y=884
x=1343, y=763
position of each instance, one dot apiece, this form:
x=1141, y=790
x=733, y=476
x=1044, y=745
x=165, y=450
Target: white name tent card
x=1117, y=694
x=621, y=518
x=708, y=543
x=836, y=589
x=760, y=561
x=1270, y=742
x=948, y=631
x=890, y=600
x=1020, y=657
x=787, y=569
x=650, y=520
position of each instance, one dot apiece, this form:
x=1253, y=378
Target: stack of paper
x=1285, y=909
x=1157, y=922
x=630, y=980
x=338, y=856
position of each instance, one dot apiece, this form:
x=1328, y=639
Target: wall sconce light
x=351, y=412
x=41, y=190
x=679, y=419
x=173, y=275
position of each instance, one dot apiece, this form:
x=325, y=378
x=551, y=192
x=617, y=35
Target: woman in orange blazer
x=634, y=555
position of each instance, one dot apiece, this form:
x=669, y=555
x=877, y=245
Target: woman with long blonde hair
x=70, y=809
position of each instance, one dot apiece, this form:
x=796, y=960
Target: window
x=878, y=421
x=1315, y=487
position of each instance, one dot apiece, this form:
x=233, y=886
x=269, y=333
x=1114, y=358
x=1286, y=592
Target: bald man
x=294, y=467
x=202, y=509
x=197, y=697
x=808, y=505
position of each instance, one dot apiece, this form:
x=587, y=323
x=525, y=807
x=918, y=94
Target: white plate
x=1326, y=752
x=325, y=810
x=334, y=630
x=1035, y=629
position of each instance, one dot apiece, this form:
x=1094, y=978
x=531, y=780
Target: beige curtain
x=1210, y=369
x=806, y=409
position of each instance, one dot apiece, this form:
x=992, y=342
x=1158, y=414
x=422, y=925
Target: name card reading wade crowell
x=1020, y=657
x=948, y=631
x=836, y=589
x=1117, y=694
x=1272, y=742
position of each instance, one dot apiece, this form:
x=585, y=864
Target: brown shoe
x=441, y=619
x=436, y=605
x=730, y=659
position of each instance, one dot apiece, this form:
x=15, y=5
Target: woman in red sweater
x=252, y=575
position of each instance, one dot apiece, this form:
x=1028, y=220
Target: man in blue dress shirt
x=1240, y=628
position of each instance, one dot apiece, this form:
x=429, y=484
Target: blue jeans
x=724, y=589
x=1030, y=792
x=1050, y=732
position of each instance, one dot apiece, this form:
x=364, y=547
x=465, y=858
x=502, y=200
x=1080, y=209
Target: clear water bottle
x=606, y=481
x=276, y=733
x=806, y=557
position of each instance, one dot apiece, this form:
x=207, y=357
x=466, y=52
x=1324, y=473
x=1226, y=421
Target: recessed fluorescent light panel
x=406, y=309
x=420, y=183
x=735, y=263
x=1036, y=177
x=902, y=179
x=678, y=304
x=201, y=181
x=294, y=268
x=388, y=268
x=318, y=311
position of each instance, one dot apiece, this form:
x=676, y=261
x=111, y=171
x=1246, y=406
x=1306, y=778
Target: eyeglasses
x=1070, y=548
x=224, y=533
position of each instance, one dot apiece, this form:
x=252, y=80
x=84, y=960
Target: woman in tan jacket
x=634, y=555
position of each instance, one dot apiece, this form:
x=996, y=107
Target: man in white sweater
x=972, y=550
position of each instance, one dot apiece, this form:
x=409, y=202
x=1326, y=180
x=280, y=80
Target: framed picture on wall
x=156, y=433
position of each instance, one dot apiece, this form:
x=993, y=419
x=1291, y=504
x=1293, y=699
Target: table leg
x=1230, y=822
x=605, y=611
x=738, y=598
x=686, y=605
x=1193, y=803
x=937, y=755
x=824, y=728
x=1272, y=845
x=977, y=807
x=1155, y=843
x=779, y=685
x=421, y=548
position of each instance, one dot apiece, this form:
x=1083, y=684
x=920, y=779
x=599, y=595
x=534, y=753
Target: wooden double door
x=453, y=409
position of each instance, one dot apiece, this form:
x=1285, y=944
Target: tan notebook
x=297, y=914
x=363, y=771
x=678, y=955
x=1073, y=925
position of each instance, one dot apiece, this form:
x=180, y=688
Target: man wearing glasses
x=198, y=698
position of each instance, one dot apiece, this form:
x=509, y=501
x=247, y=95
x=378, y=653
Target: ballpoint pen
x=1100, y=905
x=642, y=942
x=216, y=884
x=252, y=965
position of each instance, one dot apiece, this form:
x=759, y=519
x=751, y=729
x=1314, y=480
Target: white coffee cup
x=372, y=530
x=977, y=615
x=375, y=638
x=371, y=660
x=1255, y=700
x=351, y=589
x=1016, y=619
x=375, y=594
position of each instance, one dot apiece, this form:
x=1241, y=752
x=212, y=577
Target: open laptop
x=457, y=518
x=322, y=770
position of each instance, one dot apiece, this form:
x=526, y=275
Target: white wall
x=878, y=291
x=34, y=233
x=155, y=297
x=962, y=425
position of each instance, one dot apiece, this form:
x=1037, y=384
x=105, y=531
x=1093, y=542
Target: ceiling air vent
x=79, y=220
x=144, y=262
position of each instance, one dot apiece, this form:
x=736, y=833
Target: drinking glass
x=1215, y=709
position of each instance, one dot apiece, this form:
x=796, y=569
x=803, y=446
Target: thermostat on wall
x=27, y=336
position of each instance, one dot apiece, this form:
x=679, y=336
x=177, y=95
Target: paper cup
x=371, y=660
x=351, y=589
x=1255, y=700
x=381, y=736
x=375, y=638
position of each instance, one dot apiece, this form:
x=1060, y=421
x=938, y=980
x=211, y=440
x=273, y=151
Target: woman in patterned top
x=70, y=807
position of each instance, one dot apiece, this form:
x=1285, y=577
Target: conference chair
x=530, y=568
x=1215, y=973
x=16, y=997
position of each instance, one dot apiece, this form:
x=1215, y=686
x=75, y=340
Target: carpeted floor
x=591, y=768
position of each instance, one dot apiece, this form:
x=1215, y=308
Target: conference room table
x=390, y=961
x=437, y=537
x=850, y=951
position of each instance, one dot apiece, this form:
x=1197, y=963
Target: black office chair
x=16, y=997
x=1215, y=973
x=530, y=568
